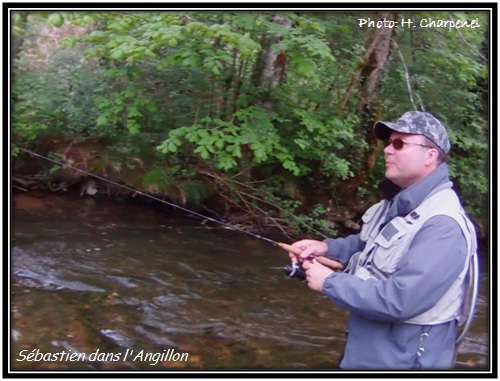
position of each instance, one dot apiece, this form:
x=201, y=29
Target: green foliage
x=53, y=93
x=173, y=92
x=169, y=182
x=158, y=180
x=315, y=222
x=325, y=141
x=55, y=19
x=223, y=142
x=39, y=115
x=124, y=108
x=470, y=165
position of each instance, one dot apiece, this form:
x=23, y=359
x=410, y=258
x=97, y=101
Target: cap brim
x=383, y=130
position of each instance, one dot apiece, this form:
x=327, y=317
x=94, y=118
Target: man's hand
x=316, y=274
x=309, y=247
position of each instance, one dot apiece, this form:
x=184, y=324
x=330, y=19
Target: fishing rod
x=295, y=250
x=294, y=270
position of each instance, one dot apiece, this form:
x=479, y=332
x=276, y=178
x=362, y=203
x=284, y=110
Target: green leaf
x=16, y=18
x=133, y=127
x=304, y=67
x=68, y=41
x=134, y=112
x=102, y=120
x=171, y=146
x=202, y=150
x=55, y=19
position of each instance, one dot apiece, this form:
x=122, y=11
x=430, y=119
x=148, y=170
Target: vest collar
x=403, y=201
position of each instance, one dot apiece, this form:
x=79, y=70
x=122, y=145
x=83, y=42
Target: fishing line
x=161, y=200
x=323, y=260
x=229, y=226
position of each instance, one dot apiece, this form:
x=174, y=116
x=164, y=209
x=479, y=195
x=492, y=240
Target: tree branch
x=468, y=43
x=407, y=78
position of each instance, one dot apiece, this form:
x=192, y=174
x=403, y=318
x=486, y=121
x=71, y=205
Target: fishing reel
x=295, y=271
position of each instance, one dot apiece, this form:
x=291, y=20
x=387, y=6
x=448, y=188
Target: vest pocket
x=373, y=213
x=389, y=250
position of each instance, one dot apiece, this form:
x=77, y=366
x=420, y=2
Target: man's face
x=408, y=164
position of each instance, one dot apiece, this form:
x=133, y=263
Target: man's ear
x=432, y=156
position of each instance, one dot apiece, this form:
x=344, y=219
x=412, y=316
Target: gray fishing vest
x=384, y=249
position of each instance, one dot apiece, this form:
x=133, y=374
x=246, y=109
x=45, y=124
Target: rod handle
x=334, y=265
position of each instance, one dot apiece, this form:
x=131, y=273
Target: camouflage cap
x=416, y=122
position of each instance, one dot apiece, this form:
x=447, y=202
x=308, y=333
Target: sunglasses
x=398, y=144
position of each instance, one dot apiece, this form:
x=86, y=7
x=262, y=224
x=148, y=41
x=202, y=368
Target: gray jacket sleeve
x=341, y=249
x=425, y=272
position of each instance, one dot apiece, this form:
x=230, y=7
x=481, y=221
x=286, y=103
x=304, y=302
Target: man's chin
x=389, y=175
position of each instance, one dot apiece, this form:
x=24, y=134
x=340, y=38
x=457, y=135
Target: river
x=138, y=288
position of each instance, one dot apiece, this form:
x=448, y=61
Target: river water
x=111, y=283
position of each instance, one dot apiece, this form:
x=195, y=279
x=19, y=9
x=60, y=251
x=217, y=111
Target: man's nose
x=389, y=149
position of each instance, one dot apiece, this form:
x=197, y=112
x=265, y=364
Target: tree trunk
x=271, y=66
x=366, y=79
x=269, y=72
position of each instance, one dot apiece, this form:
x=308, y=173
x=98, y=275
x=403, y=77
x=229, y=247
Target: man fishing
x=404, y=278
